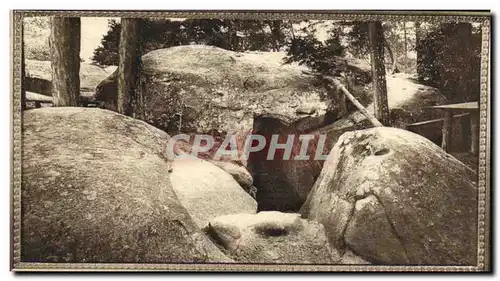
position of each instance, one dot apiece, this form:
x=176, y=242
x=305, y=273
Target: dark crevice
x=343, y=245
x=214, y=237
x=382, y=151
x=393, y=228
x=271, y=231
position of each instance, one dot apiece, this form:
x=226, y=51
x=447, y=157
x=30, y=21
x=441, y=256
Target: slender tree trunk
x=464, y=37
x=291, y=29
x=418, y=37
x=65, y=60
x=406, y=43
x=129, y=98
x=394, y=61
x=465, y=86
x=275, y=32
x=446, y=132
x=376, y=35
x=23, y=72
x=232, y=36
x=229, y=39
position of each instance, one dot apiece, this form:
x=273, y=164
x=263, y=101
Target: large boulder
x=284, y=184
x=37, y=62
x=393, y=197
x=407, y=100
x=38, y=97
x=207, y=191
x=271, y=237
x=203, y=89
x=96, y=188
x=39, y=77
x=239, y=173
x=34, y=100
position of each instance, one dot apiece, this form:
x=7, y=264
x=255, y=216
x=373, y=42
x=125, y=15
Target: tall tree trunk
x=275, y=27
x=406, y=42
x=420, y=65
x=376, y=35
x=232, y=36
x=23, y=72
x=394, y=61
x=129, y=98
x=291, y=30
x=464, y=37
x=229, y=26
x=465, y=87
x=65, y=60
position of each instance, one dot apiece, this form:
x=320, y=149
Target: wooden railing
x=433, y=121
x=471, y=109
x=39, y=99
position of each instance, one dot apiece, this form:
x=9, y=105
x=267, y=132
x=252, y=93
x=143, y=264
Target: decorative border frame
x=484, y=173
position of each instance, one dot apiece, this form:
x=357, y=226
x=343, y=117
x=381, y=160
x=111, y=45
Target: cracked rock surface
x=394, y=197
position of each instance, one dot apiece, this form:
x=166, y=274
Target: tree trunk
x=474, y=129
x=406, y=43
x=447, y=126
x=232, y=36
x=391, y=56
x=291, y=30
x=378, y=72
x=275, y=27
x=23, y=72
x=420, y=66
x=466, y=76
x=65, y=60
x=129, y=98
x=465, y=86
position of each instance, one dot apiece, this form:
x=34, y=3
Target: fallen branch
x=356, y=103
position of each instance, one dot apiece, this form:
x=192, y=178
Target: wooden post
x=474, y=130
x=446, y=142
x=65, y=60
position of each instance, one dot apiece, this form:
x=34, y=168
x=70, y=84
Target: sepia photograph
x=250, y=141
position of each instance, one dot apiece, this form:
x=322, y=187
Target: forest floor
x=469, y=159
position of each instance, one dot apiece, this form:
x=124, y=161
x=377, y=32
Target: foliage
x=107, y=54
x=36, y=26
x=449, y=59
x=37, y=52
x=356, y=35
x=36, y=33
x=319, y=56
x=357, y=38
x=402, y=46
x=229, y=34
x=443, y=59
